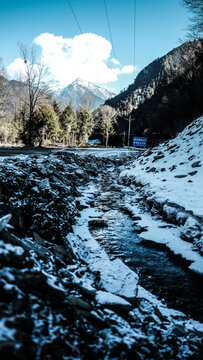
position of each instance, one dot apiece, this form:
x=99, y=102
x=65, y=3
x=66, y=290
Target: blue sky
x=159, y=26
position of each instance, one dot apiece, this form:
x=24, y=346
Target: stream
x=160, y=271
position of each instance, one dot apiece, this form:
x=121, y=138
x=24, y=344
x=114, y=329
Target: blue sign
x=139, y=141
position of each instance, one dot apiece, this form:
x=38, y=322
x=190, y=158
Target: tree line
x=50, y=125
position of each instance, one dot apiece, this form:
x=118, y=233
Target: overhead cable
x=107, y=16
x=134, y=36
x=77, y=22
x=111, y=37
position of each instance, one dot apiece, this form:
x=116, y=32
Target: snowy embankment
x=169, y=182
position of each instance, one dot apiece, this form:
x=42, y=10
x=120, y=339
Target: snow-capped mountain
x=83, y=93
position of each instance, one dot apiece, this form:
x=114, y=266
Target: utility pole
x=129, y=119
x=124, y=138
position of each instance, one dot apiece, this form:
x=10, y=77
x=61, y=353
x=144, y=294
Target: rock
x=191, y=157
x=172, y=167
x=198, y=242
x=196, y=164
x=180, y=176
x=153, y=169
x=171, y=147
x=181, y=217
x=180, y=330
x=170, y=212
x=158, y=157
x=135, y=218
x=191, y=229
x=61, y=253
x=139, y=229
x=148, y=152
x=39, y=240
x=110, y=300
x=77, y=302
x=4, y=220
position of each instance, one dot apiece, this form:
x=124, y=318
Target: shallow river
x=159, y=270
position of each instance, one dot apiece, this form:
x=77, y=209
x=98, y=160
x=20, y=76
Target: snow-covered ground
x=169, y=180
x=174, y=170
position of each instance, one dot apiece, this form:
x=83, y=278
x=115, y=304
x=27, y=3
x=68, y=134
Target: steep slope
x=166, y=95
x=82, y=93
x=11, y=94
x=169, y=178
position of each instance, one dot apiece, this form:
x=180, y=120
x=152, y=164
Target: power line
x=134, y=35
x=111, y=37
x=107, y=16
x=77, y=22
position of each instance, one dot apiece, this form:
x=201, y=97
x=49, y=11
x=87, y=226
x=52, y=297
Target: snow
x=98, y=91
x=159, y=232
x=106, y=298
x=154, y=174
x=188, y=151
x=103, y=152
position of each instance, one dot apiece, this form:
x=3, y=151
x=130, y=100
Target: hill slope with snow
x=169, y=180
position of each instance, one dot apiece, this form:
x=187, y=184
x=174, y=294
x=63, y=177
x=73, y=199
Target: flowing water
x=160, y=272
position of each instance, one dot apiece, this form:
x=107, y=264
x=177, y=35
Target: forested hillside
x=166, y=95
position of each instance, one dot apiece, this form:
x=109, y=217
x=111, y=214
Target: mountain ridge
x=166, y=94
x=82, y=93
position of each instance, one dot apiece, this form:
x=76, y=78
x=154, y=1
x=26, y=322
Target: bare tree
x=3, y=128
x=36, y=88
x=195, y=29
x=107, y=122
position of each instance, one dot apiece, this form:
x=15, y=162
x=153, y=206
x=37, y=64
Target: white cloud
x=128, y=69
x=115, y=61
x=16, y=70
x=86, y=56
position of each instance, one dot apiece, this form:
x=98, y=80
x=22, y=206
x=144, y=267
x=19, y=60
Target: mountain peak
x=84, y=93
